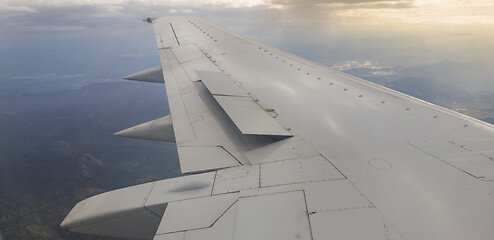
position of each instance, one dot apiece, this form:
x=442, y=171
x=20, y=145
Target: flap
x=249, y=117
x=219, y=84
x=195, y=213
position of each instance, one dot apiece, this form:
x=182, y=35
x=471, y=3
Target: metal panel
x=222, y=229
x=170, y=236
x=484, y=147
x=219, y=84
x=299, y=170
x=197, y=159
x=201, y=64
x=461, y=157
x=187, y=52
x=236, y=178
x=364, y=223
x=195, y=213
x=488, y=153
x=174, y=74
x=321, y=196
x=165, y=35
x=272, y=189
x=289, y=148
x=328, y=196
x=273, y=216
x=249, y=117
x=186, y=187
x=390, y=233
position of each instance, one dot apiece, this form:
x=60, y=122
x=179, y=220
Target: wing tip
x=149, y=19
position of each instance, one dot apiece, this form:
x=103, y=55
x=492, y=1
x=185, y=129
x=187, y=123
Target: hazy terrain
x=57, y=148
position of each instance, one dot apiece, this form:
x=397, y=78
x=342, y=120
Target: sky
x=446, y=43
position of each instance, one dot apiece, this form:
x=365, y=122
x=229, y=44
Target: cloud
x=334, y=5
x=289, y=2
x=118, y=5
x=390, y=12
x=44, y=28
x=347, y=65
x=365, y=69
x=383, y=73
x=4, y=7
x=132, y=55
x=297, y=12
x=444, y=12
x=173, y=10
x=45, y=76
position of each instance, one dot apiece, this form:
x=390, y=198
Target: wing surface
x=279, y=147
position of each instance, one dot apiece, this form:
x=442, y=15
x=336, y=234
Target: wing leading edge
x=279, y=147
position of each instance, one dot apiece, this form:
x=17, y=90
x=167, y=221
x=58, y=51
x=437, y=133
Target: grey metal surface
x=166, y=36
x=219, y=84
x=198, y=159
x=195, y=213
x=461, y=156
x=235, y=179
x=288, y=148
x=308, y=169
x=110, y=205
x=249, y=117
x=423, y=197
x=175, y=189
x=222, y=229
x=272, y=216
x=154, y=75
x=331, y=196
x=160, y=129
x=170, y=236
x=364, y=223
x=118, y=214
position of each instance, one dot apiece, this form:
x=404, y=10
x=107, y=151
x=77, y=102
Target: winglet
x=154, y=75
x=149, y=20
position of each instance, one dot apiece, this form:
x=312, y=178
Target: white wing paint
x=279, y=147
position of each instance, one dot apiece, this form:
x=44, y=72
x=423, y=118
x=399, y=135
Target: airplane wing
x=274, y=146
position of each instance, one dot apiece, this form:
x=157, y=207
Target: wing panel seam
x=173, y=30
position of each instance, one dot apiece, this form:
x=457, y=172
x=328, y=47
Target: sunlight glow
x=426, y=11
